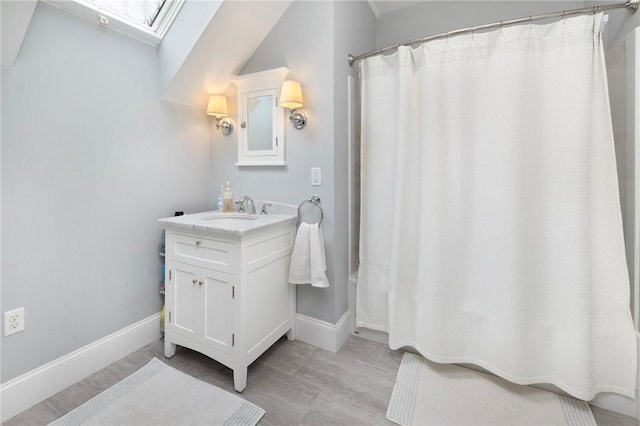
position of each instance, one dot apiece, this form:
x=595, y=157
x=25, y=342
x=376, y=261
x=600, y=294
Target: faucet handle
x=264, y=208
x=240, y=204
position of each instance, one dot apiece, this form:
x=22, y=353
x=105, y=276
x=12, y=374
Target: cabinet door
x=217, y=295
x=182, y=299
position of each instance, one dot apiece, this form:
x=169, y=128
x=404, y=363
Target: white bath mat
x=161, y=395
x=427, y=393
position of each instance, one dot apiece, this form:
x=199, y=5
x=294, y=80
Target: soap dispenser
x=219, y=202
x=227, y=199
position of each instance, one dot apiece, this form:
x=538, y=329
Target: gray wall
x=433, y=17
x=90, y=159
x=354, y=33
x=621, y=22
x=311, y=39
x=622, y=94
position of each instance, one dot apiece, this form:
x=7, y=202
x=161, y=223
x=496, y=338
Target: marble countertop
x=231, y=224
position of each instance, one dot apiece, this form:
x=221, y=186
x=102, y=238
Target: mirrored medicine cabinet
x=261, y=139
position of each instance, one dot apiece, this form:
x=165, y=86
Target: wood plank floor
x=295, y=383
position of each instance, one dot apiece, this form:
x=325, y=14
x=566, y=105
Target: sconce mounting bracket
x=298, y=118
x=226, y=125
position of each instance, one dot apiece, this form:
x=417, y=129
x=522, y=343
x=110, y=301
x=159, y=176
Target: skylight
x=142, y=12
x=146, y=20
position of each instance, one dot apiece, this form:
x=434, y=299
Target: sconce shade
x=291, y=95
x=217, y=106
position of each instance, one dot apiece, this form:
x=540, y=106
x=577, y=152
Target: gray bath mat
x=161, y=395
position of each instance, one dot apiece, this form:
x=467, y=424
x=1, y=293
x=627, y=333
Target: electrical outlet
x=316, y=176
x=13, y=321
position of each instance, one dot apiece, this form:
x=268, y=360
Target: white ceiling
x=380, y=7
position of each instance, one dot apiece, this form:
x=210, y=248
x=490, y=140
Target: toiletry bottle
x=227, y=199
x=220, y=196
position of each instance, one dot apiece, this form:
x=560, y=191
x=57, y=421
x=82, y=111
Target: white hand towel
x=299, y=272
x=317, y=258
x=308, y=265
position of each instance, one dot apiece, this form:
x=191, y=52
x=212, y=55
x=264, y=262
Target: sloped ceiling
x=16, y=16
x=380, y=7
x=210, y=62
x=235, y=31
x=233, y=34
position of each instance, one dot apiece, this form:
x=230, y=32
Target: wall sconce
x=291, y=97
x=217, y=107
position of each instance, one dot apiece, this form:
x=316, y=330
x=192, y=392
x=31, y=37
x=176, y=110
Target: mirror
x=260, y=123
x=261, y=133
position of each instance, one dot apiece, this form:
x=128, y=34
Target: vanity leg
x=240, y=379
x=291, y=334
x=169, y=348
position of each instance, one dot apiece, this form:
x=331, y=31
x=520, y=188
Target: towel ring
x=314, y=201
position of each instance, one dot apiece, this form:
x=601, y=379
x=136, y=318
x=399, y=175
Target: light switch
x=316, y=176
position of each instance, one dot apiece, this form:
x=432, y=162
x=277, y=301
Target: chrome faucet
x=246, y=205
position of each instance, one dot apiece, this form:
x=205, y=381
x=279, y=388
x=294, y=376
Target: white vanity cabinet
x=227, y=295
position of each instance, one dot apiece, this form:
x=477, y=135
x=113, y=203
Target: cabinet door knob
x=200, y=283
x=198, y=242
x=194, y=281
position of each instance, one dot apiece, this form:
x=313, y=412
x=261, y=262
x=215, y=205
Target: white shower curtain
x=491, y=230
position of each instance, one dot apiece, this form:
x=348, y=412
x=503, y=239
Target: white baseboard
x=33, y=387
x=321, y=333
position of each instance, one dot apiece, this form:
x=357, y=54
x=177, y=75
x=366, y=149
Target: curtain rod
x=630, y=5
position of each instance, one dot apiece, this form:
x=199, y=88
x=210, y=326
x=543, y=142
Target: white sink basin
x=234, y=216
